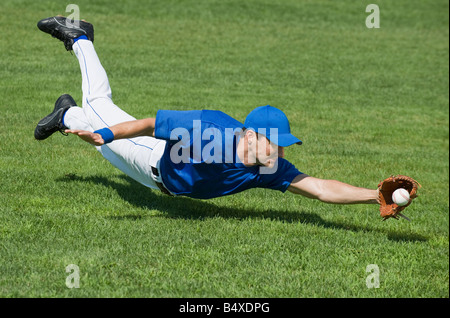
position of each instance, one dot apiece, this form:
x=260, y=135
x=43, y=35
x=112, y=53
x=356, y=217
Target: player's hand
x=90, y=137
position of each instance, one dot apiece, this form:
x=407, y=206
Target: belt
x=159, y=184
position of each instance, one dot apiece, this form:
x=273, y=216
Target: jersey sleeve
x=174, y=122
x=282, y=178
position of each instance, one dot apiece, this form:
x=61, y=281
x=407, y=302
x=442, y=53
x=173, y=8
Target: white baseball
x=400, y=197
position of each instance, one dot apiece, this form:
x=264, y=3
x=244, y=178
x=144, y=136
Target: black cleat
x=53, y=122
x=66, y=30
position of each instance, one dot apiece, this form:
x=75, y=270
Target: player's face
x=268, y=152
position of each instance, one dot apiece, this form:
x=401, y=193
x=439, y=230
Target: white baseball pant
x=132, y=156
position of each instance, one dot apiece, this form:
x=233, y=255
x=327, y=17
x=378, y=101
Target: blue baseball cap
x=263, y=118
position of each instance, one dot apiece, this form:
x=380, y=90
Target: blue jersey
x=200, y=159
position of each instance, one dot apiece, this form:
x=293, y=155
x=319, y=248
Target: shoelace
x=61, y=130
x=60, y=36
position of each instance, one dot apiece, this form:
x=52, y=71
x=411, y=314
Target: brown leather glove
x=389, y=209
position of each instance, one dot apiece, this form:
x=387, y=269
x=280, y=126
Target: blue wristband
x=106, y=134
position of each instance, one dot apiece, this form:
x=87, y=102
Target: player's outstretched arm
x=332, y=191
x=128, y=129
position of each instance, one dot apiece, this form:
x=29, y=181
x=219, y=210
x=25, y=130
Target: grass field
x=367, y=103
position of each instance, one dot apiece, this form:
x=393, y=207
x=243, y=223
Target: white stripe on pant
x=132, y=156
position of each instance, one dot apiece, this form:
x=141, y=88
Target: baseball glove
x=389, y=209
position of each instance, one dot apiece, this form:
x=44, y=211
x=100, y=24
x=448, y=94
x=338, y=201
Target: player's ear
x=250, y=135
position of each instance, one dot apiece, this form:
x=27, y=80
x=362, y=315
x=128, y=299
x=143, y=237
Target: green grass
x=367, y=103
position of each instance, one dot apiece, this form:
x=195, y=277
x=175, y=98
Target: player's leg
x=79, y=36
x=138, y=154
x=97, y=103
x=75, y=118
x=132, y=156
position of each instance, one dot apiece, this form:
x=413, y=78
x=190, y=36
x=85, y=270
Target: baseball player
x=199, y=154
